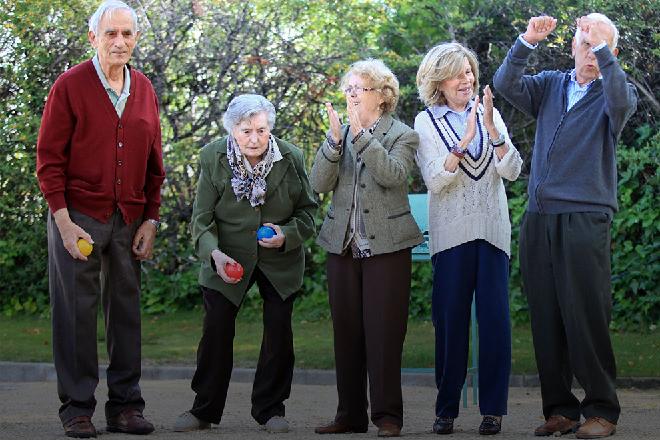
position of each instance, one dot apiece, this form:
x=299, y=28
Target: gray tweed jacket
x=381, y=176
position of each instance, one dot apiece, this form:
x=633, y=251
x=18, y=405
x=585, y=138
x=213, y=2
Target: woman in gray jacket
x=368, y=232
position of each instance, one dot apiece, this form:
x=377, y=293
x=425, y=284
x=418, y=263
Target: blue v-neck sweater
x=574, y=154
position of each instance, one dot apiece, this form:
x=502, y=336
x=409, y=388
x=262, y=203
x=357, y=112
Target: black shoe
x=490, y=425
x=443, y=425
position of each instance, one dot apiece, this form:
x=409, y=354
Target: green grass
x=173, y=339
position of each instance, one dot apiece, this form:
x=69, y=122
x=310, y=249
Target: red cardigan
x=91, y=160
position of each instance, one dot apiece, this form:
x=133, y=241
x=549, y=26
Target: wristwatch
x=499, y=141
x=457, y=151
x=156, y=223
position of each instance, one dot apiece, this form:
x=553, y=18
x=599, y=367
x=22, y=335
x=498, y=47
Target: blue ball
x=265, y=232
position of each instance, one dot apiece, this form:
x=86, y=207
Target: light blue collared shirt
x=575, y=91
x=458, y=121
x=118, y=101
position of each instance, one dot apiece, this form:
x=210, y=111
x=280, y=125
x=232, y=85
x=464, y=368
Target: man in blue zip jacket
x=565, y=234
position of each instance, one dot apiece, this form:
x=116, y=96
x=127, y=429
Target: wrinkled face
x=252, y=137
x=116, y=39
x=586, y=66
x=459, y=90
x=358, y=93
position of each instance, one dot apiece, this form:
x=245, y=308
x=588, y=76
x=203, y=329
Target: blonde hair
x=444, y=61
x=380, y=76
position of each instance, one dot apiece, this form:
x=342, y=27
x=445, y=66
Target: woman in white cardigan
x=464, y=153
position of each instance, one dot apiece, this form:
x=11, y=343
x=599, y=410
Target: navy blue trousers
x=478, y=267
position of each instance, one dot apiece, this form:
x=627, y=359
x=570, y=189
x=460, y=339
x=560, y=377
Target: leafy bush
x=635, y=234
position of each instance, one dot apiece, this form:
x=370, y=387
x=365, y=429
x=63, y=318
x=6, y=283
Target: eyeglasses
x=358, y=90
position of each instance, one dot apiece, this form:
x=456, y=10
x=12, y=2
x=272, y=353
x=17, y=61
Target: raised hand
x=538, y=28
x=335, y=123
x=594, y=32
x=353, y=118
x=470, y=127
x=488, y=107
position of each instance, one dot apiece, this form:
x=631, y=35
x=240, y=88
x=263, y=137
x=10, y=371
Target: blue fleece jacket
x=574, y=154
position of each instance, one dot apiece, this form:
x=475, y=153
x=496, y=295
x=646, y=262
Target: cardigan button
x=362, y=185
x=121, y=144
x=371, y=237
x=366, y=211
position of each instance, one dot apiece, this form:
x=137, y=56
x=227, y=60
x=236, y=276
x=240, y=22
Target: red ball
x=234, y=271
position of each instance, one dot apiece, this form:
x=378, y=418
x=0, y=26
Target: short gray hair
x=108, y=7
x=595, y=16
x=246, y=106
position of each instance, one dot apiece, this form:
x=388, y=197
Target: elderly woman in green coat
x=248, y=180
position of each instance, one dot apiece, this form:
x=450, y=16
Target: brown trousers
x=369, y=305
x=113, y=273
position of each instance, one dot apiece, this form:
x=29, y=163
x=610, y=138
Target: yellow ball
x=85, y=247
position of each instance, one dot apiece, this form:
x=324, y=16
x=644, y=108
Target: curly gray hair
x=244, y=107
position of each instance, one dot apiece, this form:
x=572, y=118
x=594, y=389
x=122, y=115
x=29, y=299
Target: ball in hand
x=85, y=247
x=234, y=271
x=265, y=232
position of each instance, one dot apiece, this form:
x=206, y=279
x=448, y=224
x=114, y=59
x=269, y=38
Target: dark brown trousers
x=369, y=305
x=112, y=273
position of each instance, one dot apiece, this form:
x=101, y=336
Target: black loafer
x=443, y=425
x=490, y=425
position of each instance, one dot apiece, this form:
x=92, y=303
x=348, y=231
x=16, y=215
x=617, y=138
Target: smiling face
x=368, y=102
x=252, y=137
x=459, y=90
x=586, y=65
x=116, y=39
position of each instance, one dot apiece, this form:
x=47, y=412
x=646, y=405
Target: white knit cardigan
x=470, y=203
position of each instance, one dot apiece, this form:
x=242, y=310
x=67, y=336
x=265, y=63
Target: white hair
x=602, y=18
x=246, y=106
x=108, y=7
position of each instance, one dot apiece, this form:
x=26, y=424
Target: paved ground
x=28, y=410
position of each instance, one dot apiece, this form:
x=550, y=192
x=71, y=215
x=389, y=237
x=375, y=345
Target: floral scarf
x=247, y=184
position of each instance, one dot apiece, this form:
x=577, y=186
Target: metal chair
x=419, y=207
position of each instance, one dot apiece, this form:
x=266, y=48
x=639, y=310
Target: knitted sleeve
x=509, y=166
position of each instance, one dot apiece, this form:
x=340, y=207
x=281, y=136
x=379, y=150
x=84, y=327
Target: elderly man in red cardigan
x=100, y=168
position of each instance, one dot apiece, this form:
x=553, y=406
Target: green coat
x=221, y=222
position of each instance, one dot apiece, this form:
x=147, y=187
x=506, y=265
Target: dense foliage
x=199, y=54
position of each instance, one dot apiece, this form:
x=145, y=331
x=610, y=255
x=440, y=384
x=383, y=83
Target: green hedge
x=635, y=265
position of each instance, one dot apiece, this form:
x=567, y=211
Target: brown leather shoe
x=389, y=430
x=337, y=428
x=79, y=427
x=596, y=427
x=556, y=423
x=129, y=421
